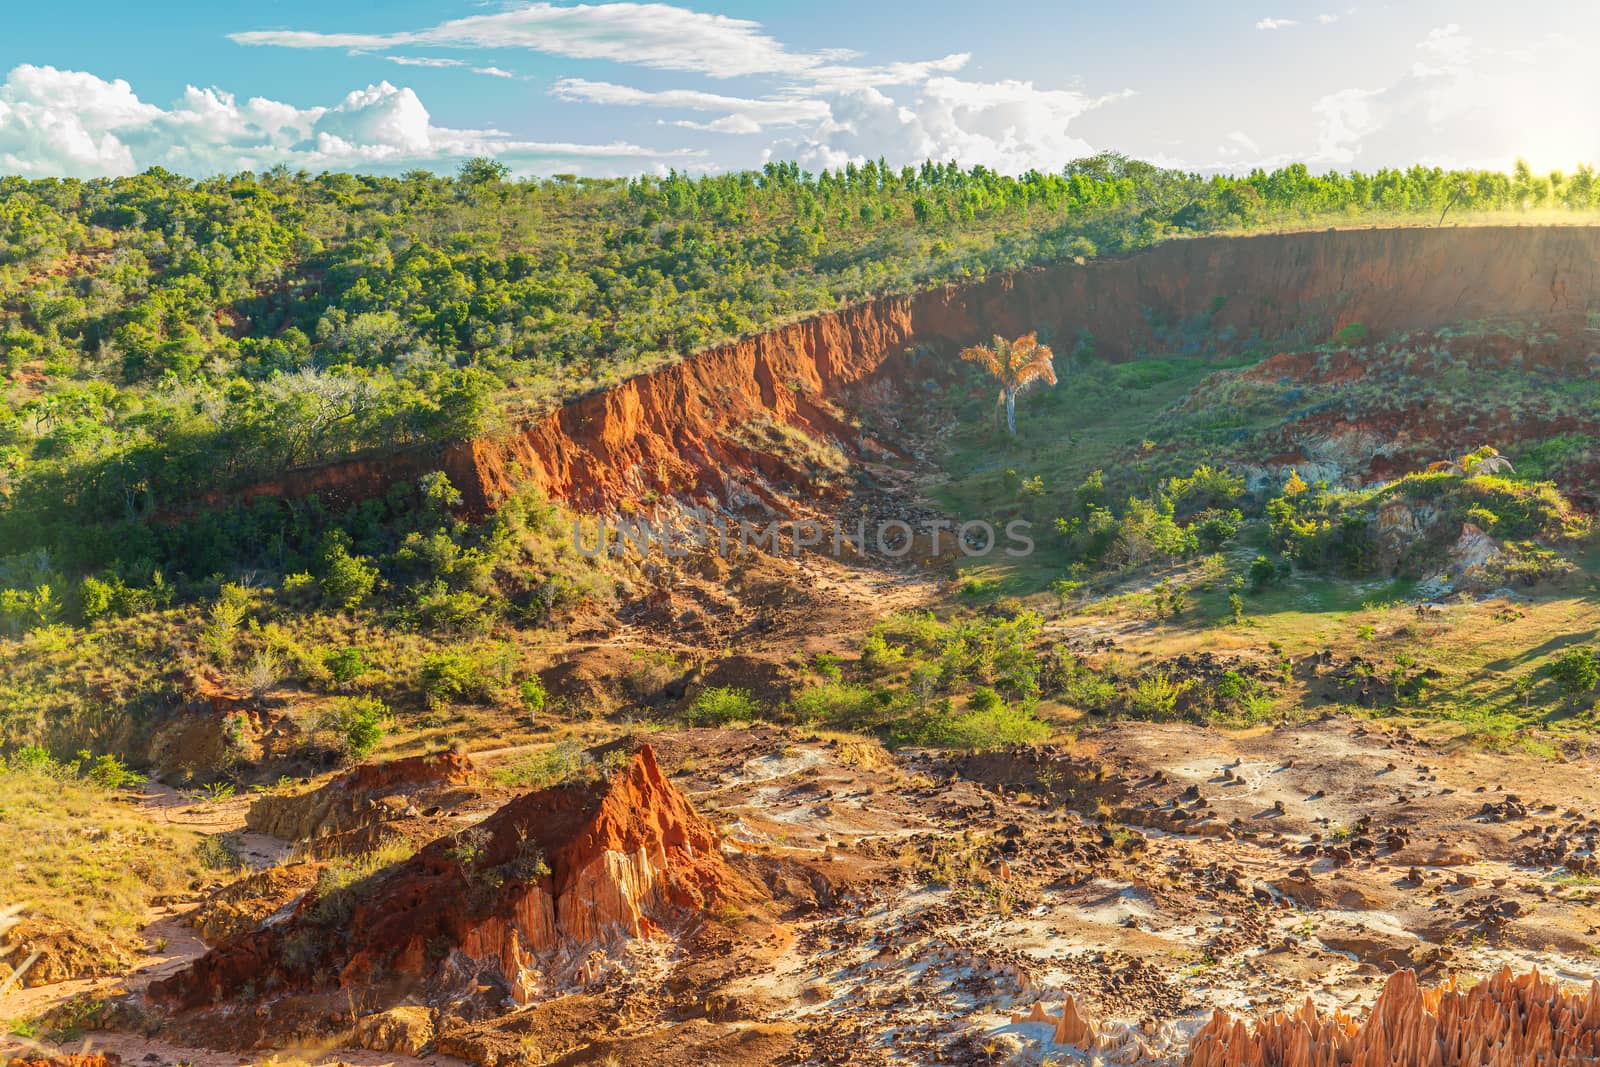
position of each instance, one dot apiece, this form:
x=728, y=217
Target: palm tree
x=1016, y=364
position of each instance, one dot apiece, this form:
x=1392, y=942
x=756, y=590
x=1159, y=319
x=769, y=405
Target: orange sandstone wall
x=672, y=431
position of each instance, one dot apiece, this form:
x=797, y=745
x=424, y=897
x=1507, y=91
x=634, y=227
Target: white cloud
x=1009, y=125
x=1446, y=45
x=649, y=34
x=74, y=124
x=840, y=78
x=739, y=114
x=1276, y=24
x=837, y=101
x=1464, y=105
x=1240, y=145
x=438, y=61
x=1327, y=20
x=424, y=61
x=655, y=35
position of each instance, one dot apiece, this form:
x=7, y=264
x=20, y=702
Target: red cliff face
x=514, y=908
x=671, y=431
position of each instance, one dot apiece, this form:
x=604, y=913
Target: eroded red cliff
x=674, y=431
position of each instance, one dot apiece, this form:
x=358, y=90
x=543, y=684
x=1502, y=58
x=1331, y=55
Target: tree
x=480, y=170
x=1016, y=365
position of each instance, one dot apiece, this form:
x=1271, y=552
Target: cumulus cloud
x=1010, y=126
x=1276, y=24
x=74, y=124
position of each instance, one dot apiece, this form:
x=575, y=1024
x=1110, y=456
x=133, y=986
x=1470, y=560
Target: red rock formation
x=1507, y=1021
x=514, y=905
x=356, y=797
x=671, y=430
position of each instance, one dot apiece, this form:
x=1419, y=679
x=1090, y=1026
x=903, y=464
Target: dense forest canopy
x=162, y=336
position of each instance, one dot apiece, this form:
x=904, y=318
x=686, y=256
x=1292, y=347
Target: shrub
x=33, y=758
x=102, y=597
x=1156, y=695
x=984, y=699
x=109, y=772
x=650, y=672
x=826, y=665
x=227, y=617
x=994, y=725
x=358, y=723
x=461, y=612
x=533, y=696
x=877, y=654
x=1065, y=590
x=720, y=706
x=1354, y=333
x=1263, y=572
x=447, y=676
x=1216, y=528
x=346, y=580
x=1576, y=671
x=849, y=707
x=345, y=665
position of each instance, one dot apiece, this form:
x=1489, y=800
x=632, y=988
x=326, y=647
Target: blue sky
x=95, y=87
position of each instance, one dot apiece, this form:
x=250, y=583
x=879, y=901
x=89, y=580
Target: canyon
x=673, y=431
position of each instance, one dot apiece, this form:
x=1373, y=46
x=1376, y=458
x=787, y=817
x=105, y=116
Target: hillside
x=164, y=335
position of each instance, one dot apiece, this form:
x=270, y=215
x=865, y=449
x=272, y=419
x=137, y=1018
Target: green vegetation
x=722, y=706
x=440, y=603
x=963, y=683
x=358, y=723
x=167, y=336
x=167, y=340
x=1576, y=671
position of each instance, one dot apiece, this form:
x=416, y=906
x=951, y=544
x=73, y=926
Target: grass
x=83, y=855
